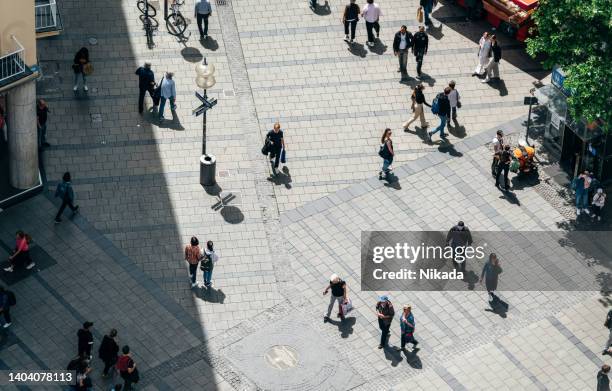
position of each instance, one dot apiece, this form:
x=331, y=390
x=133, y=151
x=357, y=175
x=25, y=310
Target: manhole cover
x=281, y=357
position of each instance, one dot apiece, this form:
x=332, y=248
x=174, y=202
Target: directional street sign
x=206, y=104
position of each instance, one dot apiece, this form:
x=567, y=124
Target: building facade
x=21, y=22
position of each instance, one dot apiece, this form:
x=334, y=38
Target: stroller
x=523, y=159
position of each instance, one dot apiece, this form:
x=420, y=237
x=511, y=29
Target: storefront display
x=512, y=17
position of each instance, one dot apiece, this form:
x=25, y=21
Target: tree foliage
x=575, y=34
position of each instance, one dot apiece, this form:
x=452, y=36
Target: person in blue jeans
x=387, y=153
x=580, y=184
x=443, y=112
x=168, y=91
x=208, y=263
x=427, y=8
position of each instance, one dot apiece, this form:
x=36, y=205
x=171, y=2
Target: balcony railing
x=12, y=65
x=46, y=16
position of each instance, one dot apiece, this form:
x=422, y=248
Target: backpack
x=382, y=152
x=435, y=105
x=12, y=300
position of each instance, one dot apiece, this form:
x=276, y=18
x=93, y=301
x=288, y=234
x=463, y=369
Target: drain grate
x=223, y=2
x=96, y=117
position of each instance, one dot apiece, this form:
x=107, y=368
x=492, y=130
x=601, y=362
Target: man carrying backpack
x=440, y=107
x=7, y=300
x=420, y=44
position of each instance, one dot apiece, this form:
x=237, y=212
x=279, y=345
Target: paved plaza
x=119, y=262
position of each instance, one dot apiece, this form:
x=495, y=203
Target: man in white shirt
x=168, y=91
x=371, y=13
x=401, y=43
x=202, y=12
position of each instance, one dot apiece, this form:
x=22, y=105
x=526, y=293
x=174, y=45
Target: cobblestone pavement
x=118, y=263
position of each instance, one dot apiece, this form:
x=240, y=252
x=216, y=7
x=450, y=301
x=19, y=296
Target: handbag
x=88, y=69
x=283, y=158
x=347, y=306
x=458, y=104
x=157, y=93
x=265, y=150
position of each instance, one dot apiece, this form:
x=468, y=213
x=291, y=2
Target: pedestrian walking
x=42, y=111
x=193, y=255
x=81, y=66
x=418, y=100
x=441, y=107
x=276, y=140
x=504, y=166
x=7, y=300
x=455, y=102
x=203, y=10
x=402, y=43
x=66, y=194
x=385, y=314
x=83, y=380
x=459, y=236
x=608, y=325
x=387, y=153
x=599, y=200
x=21, y=254
x=484, y=52
x=339, y=293
x=603, y=382
x=581, y=184
x=427, y=9
x=490, y=274
x=127, y=369
x=168, y=92
x=492, y=68
x=407, y=327
x=109, y=351
x=371, y=13
x=146, y=83
x=419, y=47
x=498, y=148
x=209, y=260
x=350, y=17
x=85, y=340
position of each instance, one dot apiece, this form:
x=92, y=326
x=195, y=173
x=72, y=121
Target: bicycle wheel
x=154, y=23
x=176, y=25
x=141, y=6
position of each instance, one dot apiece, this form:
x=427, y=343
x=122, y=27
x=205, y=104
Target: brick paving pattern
x=119, y=263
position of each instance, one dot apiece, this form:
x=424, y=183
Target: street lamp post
x=205, y=80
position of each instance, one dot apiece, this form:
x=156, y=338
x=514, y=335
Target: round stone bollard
x=208, y=166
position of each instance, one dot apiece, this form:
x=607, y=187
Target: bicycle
x=175, y=22
x=146, y=8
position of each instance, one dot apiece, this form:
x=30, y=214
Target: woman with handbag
x=386, y=152
x=81, y=66
x=418, y=100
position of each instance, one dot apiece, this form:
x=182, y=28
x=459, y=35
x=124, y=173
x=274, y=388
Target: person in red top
x=127, y=368
x=21, y=255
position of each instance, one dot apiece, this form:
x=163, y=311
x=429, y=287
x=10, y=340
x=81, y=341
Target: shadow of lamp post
x=205, y=80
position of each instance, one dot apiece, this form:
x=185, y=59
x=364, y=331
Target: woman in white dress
x=484, y=52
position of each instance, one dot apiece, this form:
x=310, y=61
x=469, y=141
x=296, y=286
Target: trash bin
x=208, y=166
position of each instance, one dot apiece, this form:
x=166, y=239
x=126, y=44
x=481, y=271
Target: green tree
x=575, y=34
